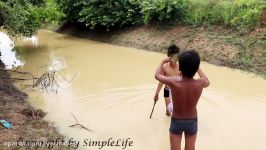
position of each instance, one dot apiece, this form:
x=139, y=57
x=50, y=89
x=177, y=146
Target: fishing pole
x=152, y=109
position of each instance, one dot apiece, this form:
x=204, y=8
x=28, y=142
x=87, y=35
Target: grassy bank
x=226, y=32
x=216, y=45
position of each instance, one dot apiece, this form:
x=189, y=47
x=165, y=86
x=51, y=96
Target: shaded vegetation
x=25, y=17
x=163, y=10
x=238, y=14
x=107, y=13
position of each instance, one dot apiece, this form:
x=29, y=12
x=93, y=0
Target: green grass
x=238, y=14
x=251, y=51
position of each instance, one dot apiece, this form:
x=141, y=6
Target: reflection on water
x=8, y=52
x=33, y=40
x=58, y=64
x=8, y=56
x=112, y=95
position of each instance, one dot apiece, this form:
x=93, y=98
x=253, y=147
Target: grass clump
x=238, y=14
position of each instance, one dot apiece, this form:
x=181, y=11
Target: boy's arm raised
x=203, y=78
x=159, y=75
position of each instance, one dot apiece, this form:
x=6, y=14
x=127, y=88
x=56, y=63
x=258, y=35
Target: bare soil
x=28, y=123
x=216, y=45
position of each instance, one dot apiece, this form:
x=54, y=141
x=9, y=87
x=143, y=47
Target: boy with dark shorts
x=186, y=92
x=170, y=69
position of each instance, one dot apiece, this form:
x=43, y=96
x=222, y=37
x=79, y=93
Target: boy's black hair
x=189, y=62
x=172, y=50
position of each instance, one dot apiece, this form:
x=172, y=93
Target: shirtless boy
x=186, y=92
x=170, y=69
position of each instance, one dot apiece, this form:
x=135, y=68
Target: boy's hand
x=156, y=97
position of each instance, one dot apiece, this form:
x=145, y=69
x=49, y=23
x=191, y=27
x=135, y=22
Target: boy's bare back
x=185, y=94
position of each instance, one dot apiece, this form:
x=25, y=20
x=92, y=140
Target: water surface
x=112, y=95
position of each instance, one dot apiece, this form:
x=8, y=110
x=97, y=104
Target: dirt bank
x=246, y=51
x=28, y=123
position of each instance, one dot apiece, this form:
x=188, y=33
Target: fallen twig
x=20, y=79
x=77, y=124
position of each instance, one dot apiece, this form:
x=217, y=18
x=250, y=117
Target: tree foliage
x=238, y=14
x=107, y=13
x=25, y=17
x=163, y=10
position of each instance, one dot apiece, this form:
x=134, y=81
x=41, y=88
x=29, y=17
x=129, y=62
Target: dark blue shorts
x=189, y=126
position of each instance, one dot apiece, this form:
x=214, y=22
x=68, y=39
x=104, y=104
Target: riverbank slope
x=216, y=45
x=28, y=123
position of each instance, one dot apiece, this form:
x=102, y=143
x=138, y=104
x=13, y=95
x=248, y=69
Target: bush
x=70, y=9
x=239, y=14
x=163, y=10
x=50, y=13
x=106, y=13
x=243, y=15
x=21, y=17
x=110, y=13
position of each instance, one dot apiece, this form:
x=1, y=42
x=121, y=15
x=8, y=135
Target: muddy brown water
x=112, y=93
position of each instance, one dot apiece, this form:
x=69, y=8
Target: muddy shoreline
x=216, y=45
x=28, y=123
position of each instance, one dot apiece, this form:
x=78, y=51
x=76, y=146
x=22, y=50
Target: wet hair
x=172, y=50
x=189, y=62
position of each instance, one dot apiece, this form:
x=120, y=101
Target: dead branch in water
x=78, y=124
x=49, y=80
